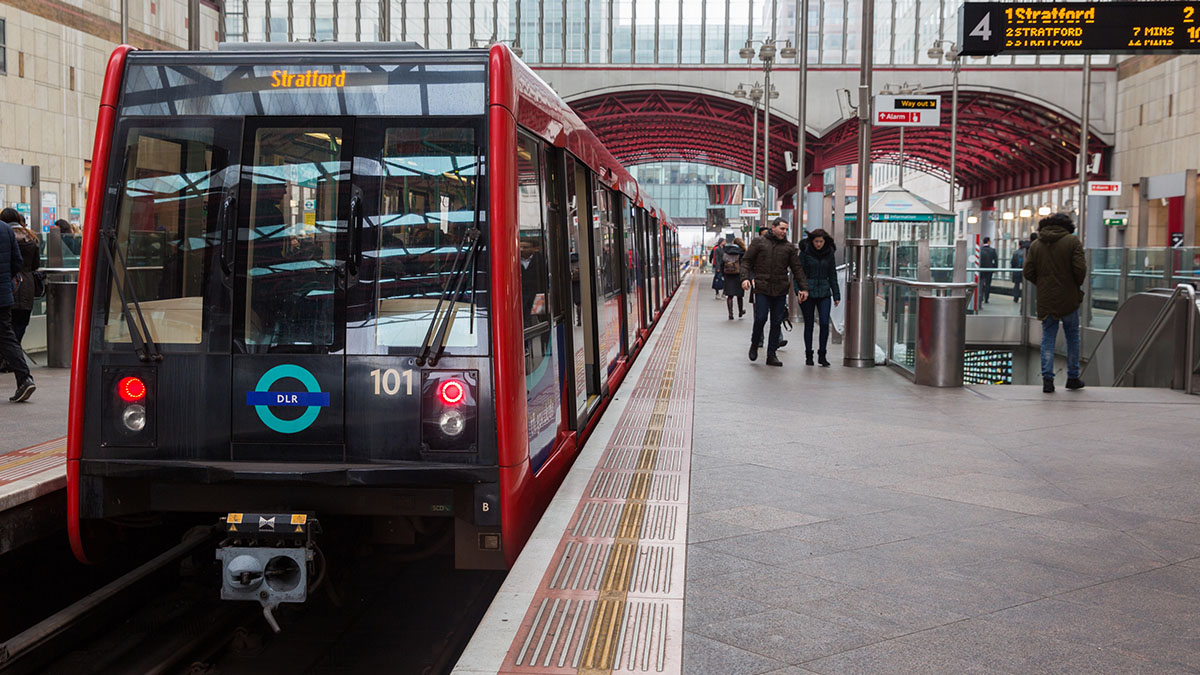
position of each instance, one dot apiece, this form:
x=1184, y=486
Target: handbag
x=39, y=283
x=718, y=282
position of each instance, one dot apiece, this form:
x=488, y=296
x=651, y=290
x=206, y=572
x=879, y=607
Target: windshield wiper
x=143, y=343
x=440, y=323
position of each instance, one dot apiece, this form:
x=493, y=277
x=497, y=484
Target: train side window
x=167, y=230
x=543, y=392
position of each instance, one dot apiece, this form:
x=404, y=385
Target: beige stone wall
x=1158, y=130
x=46, y=121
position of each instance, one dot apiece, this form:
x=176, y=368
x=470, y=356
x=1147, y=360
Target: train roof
x=537, y=107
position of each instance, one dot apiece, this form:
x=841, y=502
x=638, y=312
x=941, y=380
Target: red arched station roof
x=643, y=126
x=1005, y=143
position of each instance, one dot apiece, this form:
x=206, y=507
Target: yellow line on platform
x=602, y=639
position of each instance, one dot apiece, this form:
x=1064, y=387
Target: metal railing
x=1156, y=328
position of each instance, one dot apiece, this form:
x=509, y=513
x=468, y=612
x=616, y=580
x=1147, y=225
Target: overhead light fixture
x=1044, y=210
x=1008, y=215
x=1026, y=213
x=971, y=220
x=788, y=51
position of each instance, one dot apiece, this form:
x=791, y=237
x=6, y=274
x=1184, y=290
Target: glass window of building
x=3, y=47
x=622, y=32
x=598, y=32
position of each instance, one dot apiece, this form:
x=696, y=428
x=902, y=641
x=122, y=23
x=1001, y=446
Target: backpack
x=732, y=264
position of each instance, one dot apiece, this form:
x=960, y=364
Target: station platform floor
x=832, y=520
x=33, y=455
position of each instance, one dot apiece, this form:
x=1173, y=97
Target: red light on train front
x=129, y=409
x=451, y=392
x=449, y=411
x=131, y=389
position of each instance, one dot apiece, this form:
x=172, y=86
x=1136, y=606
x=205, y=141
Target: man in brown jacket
x=767, y=262
x=1056, y=264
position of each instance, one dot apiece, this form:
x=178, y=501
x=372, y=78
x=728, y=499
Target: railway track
x=164, y=617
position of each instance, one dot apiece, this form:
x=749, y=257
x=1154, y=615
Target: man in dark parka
x=767, y=262
x=1056, y=265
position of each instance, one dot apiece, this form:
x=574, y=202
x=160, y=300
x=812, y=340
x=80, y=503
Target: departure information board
x=987, y=28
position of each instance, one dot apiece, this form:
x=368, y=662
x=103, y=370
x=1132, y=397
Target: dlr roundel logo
x=312, y=399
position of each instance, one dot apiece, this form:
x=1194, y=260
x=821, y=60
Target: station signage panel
x=749, y=212
x=987, y=28
x=908, y=111
x=1116, y=217
x=1104, y=188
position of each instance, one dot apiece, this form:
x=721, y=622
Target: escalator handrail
x=1156, y=328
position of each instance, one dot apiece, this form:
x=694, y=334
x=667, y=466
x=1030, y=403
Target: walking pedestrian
x=1017, y=263
x=767, y=263
x=731, y=264
x=715, y=255
x=988, y=260
x=820, y=266
x=10, y=349
x=1056, y=265
x=23, y=293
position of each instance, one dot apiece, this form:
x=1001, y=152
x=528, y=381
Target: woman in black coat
x=731, y=266
x=23, y=292
x=820, y=266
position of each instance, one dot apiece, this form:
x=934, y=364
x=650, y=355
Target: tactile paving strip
x=612, y=598
x=26, y=462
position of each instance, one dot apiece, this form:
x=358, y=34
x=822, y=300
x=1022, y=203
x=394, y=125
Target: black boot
x=1047, y=385
x=753, y=352
x=773, y=361
x=808, y=357
x=729, y=306
x=821, y=358
x=1074, y=383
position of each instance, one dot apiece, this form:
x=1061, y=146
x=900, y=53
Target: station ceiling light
x=1008, y=215
x=1026, y=213
x=1044, y=210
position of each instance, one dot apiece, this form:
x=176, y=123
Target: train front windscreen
x=298, y=237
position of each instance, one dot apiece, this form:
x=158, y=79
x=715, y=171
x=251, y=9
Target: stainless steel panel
x=941, y=340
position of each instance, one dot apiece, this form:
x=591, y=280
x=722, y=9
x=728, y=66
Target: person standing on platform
x=988, y=260
x=31, y=257
x=1016, y=263
x=714, y=258
x=816, y=253
x=10, y=350
x=1057, y=266
x=731, y=265
x=767, y=263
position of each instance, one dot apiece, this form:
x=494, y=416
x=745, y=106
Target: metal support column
x=194, y=25
x=859, y=345
x=1085, y=121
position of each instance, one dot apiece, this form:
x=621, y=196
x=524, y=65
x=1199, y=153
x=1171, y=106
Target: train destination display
x=987, y=28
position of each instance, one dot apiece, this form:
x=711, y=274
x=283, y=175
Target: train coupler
x=268, y=557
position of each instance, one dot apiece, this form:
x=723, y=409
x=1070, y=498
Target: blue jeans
x=776, y=307
x=1070, y=324
x=819, y=307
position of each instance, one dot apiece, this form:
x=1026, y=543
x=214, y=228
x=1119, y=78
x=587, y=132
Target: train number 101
x=388, y=381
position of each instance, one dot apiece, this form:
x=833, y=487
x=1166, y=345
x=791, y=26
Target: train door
x=643, y=258
x=542, y=312
x=416, y=197
x=170, y=187
x=289, y=289
x=586, y=353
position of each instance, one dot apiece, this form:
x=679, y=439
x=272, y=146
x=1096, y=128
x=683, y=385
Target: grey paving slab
x=703, y=655
x=887, y=527
x=43, y=417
